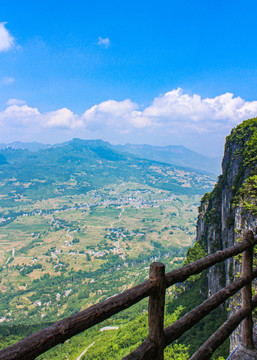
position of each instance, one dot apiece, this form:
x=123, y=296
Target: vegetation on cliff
x=244, y=136
x=247, y=195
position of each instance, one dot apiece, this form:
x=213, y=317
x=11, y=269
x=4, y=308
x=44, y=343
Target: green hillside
x=80, y=166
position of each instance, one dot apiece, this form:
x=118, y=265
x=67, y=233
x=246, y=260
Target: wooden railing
x=154, y=288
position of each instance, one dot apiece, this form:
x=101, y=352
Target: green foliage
x=245, y=137
x=189, y=299
x=230, y=220
x=10, y=334
x=204, y=201
x=247, y=195
x=195, y=253
x=116, y=343
x=210, y=217
x=129, y=337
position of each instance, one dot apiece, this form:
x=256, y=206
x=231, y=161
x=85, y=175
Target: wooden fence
x=154, y=288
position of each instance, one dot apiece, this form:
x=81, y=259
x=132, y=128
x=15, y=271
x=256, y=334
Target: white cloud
x=15, y=111
x=137, y=120
x=111, y=113
x=104, y=42
x=171, y=112
x=6, y=40
x=8, y=80
x=19, y=116
x=194, y=113
x=62, y=118
x=15, y=102
x=230, y=108
x=174, y=116
x=110, y=108
x=175, y=105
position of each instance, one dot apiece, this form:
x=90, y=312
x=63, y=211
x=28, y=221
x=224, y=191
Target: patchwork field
x=62, y=255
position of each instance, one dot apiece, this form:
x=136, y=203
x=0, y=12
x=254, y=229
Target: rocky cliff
x=232, y=205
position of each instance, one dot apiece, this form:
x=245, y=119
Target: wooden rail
x=154, y=288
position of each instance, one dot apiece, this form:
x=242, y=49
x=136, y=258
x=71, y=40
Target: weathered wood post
x=156, y=308
x=247, y=265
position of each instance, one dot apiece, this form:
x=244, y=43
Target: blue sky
x=158, y=72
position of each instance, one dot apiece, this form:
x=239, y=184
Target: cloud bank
x=175, y=114
x=6, y=40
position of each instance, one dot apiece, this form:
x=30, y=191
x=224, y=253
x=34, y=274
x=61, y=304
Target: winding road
x=80, y=356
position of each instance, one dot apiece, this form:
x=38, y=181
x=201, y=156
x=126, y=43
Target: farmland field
x=80, y=239
x=76, y=229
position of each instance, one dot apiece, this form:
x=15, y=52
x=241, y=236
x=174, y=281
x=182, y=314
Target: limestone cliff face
x=231, y=206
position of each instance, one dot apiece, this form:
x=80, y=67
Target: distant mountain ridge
x=19, y=145
x=171, y=154
x=83, y=165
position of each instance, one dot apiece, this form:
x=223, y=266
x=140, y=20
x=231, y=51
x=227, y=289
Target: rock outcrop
x=231, y=206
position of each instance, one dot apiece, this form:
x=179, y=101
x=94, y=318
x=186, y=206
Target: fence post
x=247, y=264
x=156, y=308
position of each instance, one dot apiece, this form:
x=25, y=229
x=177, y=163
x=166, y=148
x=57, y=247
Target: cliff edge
x=231, y=206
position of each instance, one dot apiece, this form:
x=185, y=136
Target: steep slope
x=231, y=206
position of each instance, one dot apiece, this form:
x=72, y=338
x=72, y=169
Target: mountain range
x=171, y=154
x=81, y=165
